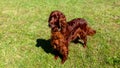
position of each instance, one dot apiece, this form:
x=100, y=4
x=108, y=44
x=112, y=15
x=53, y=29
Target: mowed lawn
x=24, y=33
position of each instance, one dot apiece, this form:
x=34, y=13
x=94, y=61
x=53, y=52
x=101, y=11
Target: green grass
x=22, y=22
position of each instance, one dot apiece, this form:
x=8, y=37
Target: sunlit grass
x=23, y=22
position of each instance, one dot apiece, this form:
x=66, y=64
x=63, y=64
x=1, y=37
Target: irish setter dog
x=65, y=32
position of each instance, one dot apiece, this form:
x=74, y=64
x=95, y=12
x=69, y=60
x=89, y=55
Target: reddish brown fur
x=85, y=30
x=63, y=32
x=57, y=23
x=59, y=44
x=57, y=19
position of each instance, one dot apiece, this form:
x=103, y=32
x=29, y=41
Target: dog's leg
x=75, y=35
x=64, y=55
x=82, y=35
x=56, y=57
x=85, y=41
x=56, y=54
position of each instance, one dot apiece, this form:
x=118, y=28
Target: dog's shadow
x=45, y=45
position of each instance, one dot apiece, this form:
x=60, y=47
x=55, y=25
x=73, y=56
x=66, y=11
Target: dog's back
x=81, y=23
x=77, y=23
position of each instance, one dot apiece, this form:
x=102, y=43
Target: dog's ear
x=62, y=21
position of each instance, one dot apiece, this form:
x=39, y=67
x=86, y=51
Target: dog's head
x=56, y=18
x=90, y=31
